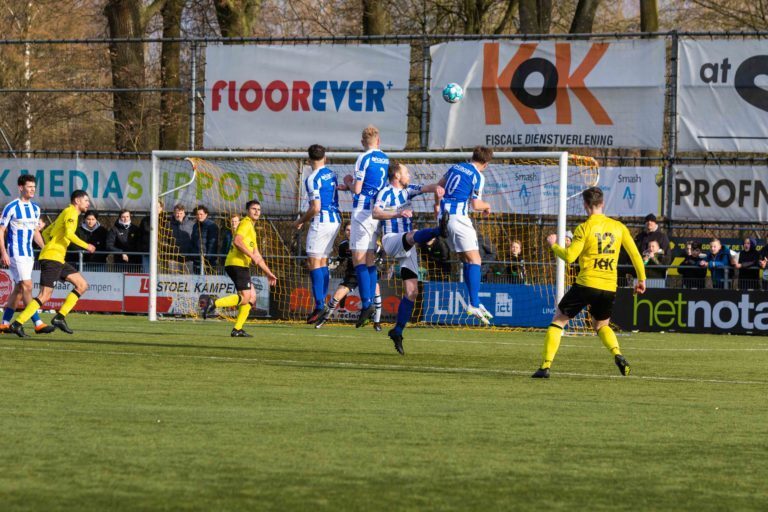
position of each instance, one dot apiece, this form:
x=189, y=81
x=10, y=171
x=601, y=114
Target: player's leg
x=25, y=287
x=377, y=303
x=601, y=309
x=80, y=286
x=317, y=279
x=10, y=307
x=570, y=306
x=405, y=309
x=320, y=240
x=50, y=272
x=362, y=243
x=247, y=297
x=208, y=304
x=341, y=291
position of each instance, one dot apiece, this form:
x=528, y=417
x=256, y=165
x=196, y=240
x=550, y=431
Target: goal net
x=531, y=195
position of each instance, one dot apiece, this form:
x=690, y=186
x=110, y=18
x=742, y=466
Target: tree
x=171, y=103
x=375, y=17
x=649, y=16
x=535, y=16
x=584, y=18
x=236, y=17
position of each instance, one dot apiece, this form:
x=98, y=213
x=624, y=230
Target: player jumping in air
x=463, y=184
x=57, y=238
x=21, y=223
x=370, y=176
x=322, y=192
x=393, y=208
x=596, y=243
x=244, y=251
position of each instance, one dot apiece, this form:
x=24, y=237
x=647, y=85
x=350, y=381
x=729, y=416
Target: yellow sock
x=242, y=315
x=551, y=344
x=608, y=337
x=69, y=303
x=25, y=315
x=229, y=301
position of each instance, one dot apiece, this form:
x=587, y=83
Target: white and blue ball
x=452, y=93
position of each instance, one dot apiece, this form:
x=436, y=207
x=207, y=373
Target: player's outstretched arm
x=3, y=252
x=634, y=255
x=481, y=206
x=313, y=210
x=572, y=252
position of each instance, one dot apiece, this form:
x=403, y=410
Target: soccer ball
x=452, y=93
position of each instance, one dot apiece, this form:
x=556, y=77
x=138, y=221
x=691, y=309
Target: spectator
x=438, y=259
x=568, y=238
x=145, y=229
x=572, y=270
x=181, y=227
x=693, y=277
x=717, y=262
x=488, y=255
x=655, y=269
x=226, y=236
x=92, y=232
x=205, y=234
x=763, y=264
x=652, y=232
x=124, y=238
x=516, y=263
x=748, y=265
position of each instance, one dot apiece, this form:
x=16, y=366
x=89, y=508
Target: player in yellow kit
x=596, y=243
x=57, y=238
x=244, y=251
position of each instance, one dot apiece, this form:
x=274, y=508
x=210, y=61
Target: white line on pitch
x=372, y=366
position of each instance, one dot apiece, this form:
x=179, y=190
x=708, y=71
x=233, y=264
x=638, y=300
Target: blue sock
x=404, y=312
x=465, y=273
x=7, y=315
x=474, y=284
x=423, y=236
x=373, y=276
x=363, y=284
x=316, y=276
x=36, y=318
x=326, y=281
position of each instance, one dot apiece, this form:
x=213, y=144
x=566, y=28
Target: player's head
x=179, y=212
x=593, y=198
x=316, y=154
x=715, y=245
x=347, y=228
x=253, y=209
x=91, y=218
x=201, y=212
x=481, y=157
x=80, y=199
x=370, y=137
x=399, y=173
x=27, y=186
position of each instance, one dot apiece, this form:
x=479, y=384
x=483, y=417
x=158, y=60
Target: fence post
x=669, y=167
x=192, y=91
x=424, y=93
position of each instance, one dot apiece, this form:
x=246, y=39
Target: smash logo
x=558, y=80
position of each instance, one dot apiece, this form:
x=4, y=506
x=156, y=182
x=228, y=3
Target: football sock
x=69, y=303
x=363, y=284
x=403, y=314
x=316, y=276
x=326, y=281
x=423, y=236
x=7, y=315
x=36, y=319
x=377, y=305
x=242, y=315
x=551, y=344
x=608, y=337
x=333, y=304
x=229, y=301
x=473, y=284
x=373, y=277
x=30, y=310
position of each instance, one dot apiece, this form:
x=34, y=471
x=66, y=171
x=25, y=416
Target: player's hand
x=439, y=192
x=92, y=248
x=298, y=224
x=6, y=259
x=640, y=287
x=487, y=212
x=125, y=258
x=406, y=214
x=272, y=279
x=551, y=239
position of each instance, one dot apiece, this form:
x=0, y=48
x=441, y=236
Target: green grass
x=128, y=415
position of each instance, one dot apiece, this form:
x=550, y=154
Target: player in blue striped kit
x=393, y=209
x=322, y=192
x=19, y=226
x=463, y=185
x=370, y=177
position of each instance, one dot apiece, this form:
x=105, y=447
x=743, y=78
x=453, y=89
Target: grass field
x=128, y=415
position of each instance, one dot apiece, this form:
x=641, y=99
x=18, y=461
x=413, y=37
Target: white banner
x=629, y=191
x=722, y=100
x=556, y=94
x=720, y=193
x=296, y=95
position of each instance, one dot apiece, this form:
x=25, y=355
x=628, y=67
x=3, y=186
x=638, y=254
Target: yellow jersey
x=60, y=234
x=236, y=257
x=596, y=243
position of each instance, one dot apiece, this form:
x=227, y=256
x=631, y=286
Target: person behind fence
x=226, y=237
x=693, y=277
x=124, y=240
x=653, y=232
x=762, y=262
x=205, y=235
x=92, y=232
x=516, y=263
x=748, y=266
x=655, y=269
x=437, y=257
x=181, y=227
x=717, y=261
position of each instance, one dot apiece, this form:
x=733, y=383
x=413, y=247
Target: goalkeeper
x=596, y=244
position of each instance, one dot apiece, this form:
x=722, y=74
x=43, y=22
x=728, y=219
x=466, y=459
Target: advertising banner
x=721, y=96
x=288, y=97
x=301, y=302
x=511, y=304
x=723, y=193
x=179, y=294
x=677, y=310
x=607, y=94
x=105, y=291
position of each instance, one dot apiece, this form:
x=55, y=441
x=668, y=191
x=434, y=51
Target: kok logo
x=630, y=197
x=603, y=264
x=558, y=80
x=744, y=81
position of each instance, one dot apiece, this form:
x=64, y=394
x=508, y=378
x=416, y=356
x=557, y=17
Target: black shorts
x=350, y=281
x=52, y=271
x=600, y=302
x=241, y=276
